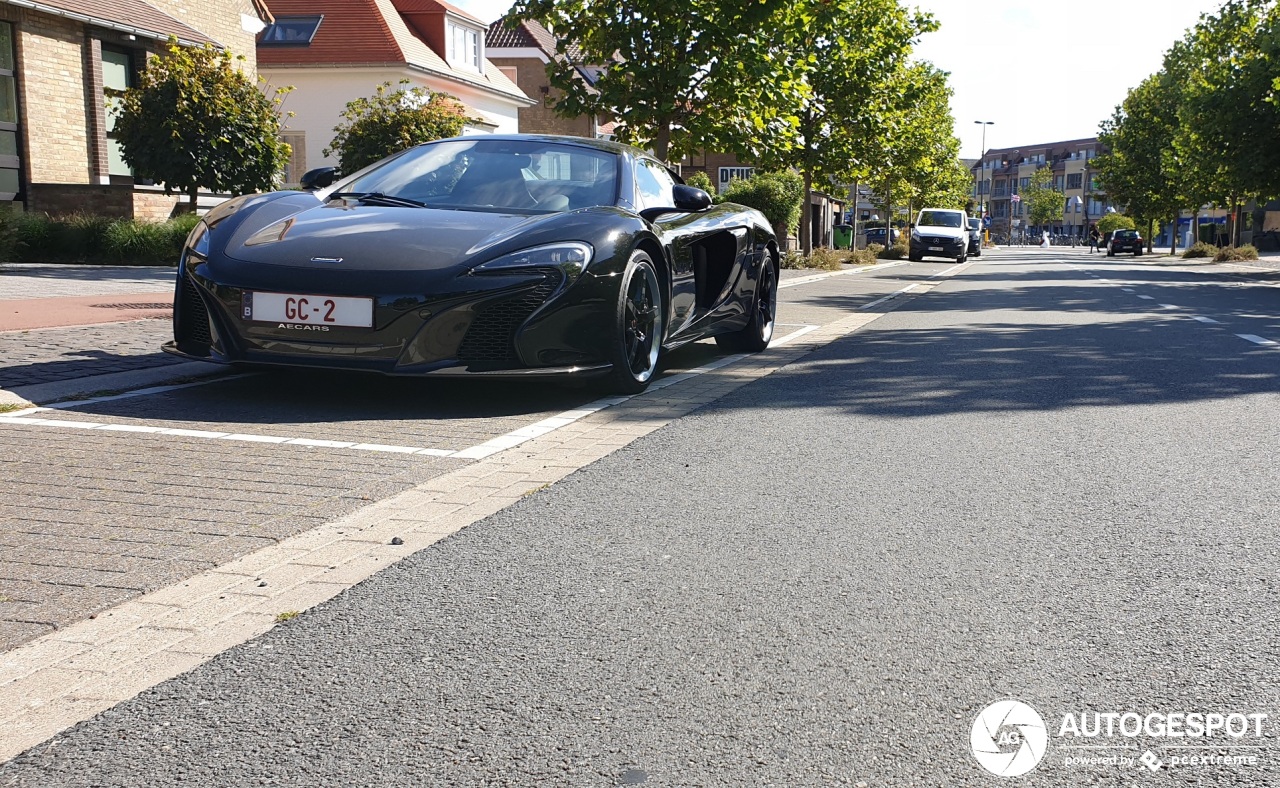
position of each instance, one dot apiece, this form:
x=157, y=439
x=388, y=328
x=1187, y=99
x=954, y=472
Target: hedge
x=82, y=238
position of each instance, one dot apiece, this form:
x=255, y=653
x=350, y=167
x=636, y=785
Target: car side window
x=655, y=185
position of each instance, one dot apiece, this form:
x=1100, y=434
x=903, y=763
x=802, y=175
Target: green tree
x=678, y=75
x=1043, y=203
x=700, y=180
x=924, y=152
x=1141, y=168
x=197, y=120
x=390, y=121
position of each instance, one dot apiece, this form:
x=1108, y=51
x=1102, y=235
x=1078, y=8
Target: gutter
x=116, y=26
x=518, y=98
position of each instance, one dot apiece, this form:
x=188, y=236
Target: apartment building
x=61, y=61
x=1003, y=173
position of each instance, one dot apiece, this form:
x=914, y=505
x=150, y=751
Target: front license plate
x=935, y=248
x=315, y=309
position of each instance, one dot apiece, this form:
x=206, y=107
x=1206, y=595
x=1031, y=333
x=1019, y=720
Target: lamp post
x=982, y=160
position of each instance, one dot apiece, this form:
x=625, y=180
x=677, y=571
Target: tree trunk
x=662, y=142
x=1195, y=226
x=193, y=197
x=1173, y=235
x=1151, y=236
x=806, y=216
x=853, y=215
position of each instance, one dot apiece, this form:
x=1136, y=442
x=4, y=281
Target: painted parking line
x=1146, y=298
x=1257, y=340
x=1169, y=306
x=77, y=403
x=1203, y=319
x=1128, y=290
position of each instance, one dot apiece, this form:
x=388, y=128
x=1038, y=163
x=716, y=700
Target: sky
x=1042, y=72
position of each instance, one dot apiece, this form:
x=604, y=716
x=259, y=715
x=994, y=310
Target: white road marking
x=1257, y=340
x=76, y=403
x=1148, y=298
x=1169, y=306
x=949, y=272
x=892, y=295
x=794, y=335
x=1205, y=319
x=804, y=280
x=1128, y=289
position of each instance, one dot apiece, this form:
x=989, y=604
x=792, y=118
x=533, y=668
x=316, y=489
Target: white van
x=940, y=232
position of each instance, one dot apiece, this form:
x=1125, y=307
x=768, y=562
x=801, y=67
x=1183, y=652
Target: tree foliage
x=1043, y=203
x=700, y=180
x=678, y=75
x=197, y=120
x=390, y=121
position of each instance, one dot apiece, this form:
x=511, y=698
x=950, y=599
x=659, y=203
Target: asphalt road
x=1026, y=483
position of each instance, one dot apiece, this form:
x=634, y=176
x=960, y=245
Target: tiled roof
x=429, y=6
x=526, y=33
x=373, y=32
x=134, y=16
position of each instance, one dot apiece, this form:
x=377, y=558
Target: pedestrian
x=1094, y=237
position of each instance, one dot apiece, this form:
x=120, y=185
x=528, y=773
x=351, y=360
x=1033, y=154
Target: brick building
x=335, y=51
x=60, y=63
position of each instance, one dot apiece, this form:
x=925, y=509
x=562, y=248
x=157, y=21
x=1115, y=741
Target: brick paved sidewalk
x=34, y=280
x=51, y=354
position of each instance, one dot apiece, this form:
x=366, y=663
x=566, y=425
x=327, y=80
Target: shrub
x=1200, y=249
x=8, y=233
x=777, y=195
x=83, y=236
x=866, y=256
x=700, y=180
x=177, y=229
x=1232, y=254
x=896, y=252
x=1115, y=221
x=827, y=259
x=128, y=240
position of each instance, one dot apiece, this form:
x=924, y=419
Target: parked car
x=1124, y=241
x=940, y=232
x=876, y=235
x=501, y=256
x=975, y=236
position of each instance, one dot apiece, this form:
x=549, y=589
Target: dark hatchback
x=1125, y=241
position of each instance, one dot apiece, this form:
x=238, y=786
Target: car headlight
x=915, y=235
x=198, y=240
x=571, y=257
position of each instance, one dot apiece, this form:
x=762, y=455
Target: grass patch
x=5, y=598
x=11, y=407
x=287, y=615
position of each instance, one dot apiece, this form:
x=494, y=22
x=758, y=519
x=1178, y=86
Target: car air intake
x=191, y=327
x=492, y=333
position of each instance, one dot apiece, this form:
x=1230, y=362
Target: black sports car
x=495, y=255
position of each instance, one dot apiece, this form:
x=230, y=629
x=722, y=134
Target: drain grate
x=168, y=305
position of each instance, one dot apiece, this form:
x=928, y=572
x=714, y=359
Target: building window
x=1074, y=180
x=288, y=31
x=297, y=164
x=118, y=75
x=464, y=46
x=10, y=159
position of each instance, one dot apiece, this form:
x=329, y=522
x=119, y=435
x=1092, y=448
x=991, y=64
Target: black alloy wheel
x=640, y=323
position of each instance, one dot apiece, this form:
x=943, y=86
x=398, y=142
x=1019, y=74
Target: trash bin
x=843, y=236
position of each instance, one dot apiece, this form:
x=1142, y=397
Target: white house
x=335, y=51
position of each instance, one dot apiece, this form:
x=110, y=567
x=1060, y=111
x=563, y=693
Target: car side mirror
x=687, y=199
x=318, y=178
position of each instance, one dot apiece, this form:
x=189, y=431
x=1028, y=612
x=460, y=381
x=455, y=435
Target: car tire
x=962, y=258
x=756, y=334
x=1111, y=253
x=640, y=318
x=914, y=257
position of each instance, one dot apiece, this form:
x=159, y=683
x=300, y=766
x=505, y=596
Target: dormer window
x=290, y=31
x=464, y=46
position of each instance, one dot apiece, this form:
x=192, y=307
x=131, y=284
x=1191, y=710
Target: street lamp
x=982, y=160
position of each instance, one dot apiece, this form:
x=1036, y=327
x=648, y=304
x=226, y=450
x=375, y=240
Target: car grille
x=192, y=330
x=492, y=334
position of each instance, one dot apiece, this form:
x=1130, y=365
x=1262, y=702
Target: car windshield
x=1125, y=234
x=974, y=224
x=940, y=219
x=519, y=176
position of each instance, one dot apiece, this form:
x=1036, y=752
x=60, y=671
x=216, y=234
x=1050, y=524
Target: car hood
x=374, y=237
